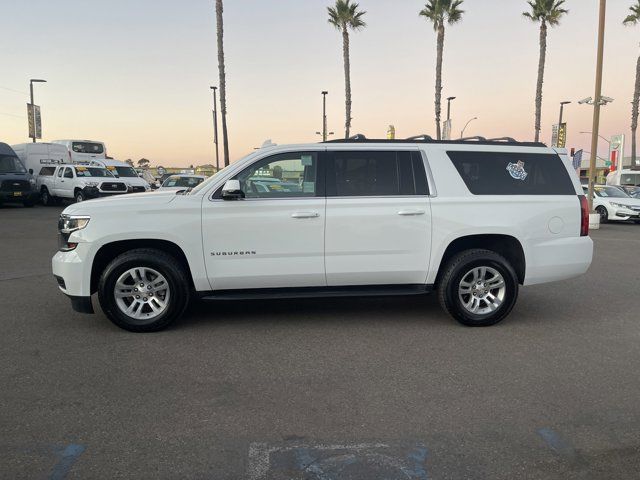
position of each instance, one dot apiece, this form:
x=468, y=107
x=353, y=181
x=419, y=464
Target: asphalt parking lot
x=321, y=389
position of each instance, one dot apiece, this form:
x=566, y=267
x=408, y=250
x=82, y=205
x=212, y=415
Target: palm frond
x=634, y=18
x=346, y=14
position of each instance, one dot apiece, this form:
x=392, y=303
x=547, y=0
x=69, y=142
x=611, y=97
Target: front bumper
x=19, y=197
x=625, y=214
x=72, y=270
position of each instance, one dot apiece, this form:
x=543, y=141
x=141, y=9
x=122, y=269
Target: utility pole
x=597, y=100
x=215, y=127
x=324, y=115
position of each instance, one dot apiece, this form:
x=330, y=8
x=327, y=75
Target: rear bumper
x=558, y=259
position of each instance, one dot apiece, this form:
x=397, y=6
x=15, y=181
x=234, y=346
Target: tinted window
x=630, y=179
x=47, y=171
x=375, y=174
x=87, y=147
x=9, y=164
x=280, y=176
x=496, y=173
x=60, y=172
x=68, y=173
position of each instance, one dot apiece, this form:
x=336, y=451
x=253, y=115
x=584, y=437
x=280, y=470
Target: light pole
x=448, y=122
x=466, y=125
x=215, y=126
x=597, y=101
x=33, y=107
x=324, y=115
x=562, y=104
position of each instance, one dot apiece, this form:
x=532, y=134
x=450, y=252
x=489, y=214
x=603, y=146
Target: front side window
x=512, y=173
x=281, y=176
x=68, y=173
x=376, y=174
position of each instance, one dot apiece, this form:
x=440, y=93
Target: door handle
x=408, y=213
x=305, y=215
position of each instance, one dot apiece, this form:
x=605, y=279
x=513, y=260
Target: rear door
x=378, y=228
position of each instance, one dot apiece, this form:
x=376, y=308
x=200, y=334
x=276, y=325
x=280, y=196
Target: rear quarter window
x=501, y=173
x=47, y=171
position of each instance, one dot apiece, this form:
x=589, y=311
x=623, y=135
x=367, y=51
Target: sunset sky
x=136, y=73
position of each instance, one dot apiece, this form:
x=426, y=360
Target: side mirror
x=31, y=171
x=232, y=190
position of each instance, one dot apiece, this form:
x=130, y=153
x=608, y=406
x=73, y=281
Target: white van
x=83, y=150
x=124, y=172
x=34, y=155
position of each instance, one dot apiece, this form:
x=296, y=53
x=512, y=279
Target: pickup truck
x=76, y=182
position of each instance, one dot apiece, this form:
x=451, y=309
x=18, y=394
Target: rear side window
x=500, y=173
x=376, y=174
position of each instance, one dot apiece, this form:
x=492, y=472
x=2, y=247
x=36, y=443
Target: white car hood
x=137, y=201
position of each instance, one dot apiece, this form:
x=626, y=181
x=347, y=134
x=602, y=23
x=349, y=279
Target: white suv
x=473, y=220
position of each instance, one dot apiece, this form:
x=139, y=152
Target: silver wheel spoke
x=142, y=293
x=482, y=290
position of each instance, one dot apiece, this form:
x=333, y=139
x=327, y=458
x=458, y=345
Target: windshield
x=123, y=172
x=610, y=192
x=188, y=182
x=92, y=172
x=10, y=164
x=87, y=147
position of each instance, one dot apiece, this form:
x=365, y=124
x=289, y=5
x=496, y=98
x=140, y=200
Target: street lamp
x=449, y=99
x=31, y=82
x=562, y=104
x=215, y=126
x=465, y=127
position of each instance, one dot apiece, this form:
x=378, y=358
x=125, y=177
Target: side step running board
x=317, y=292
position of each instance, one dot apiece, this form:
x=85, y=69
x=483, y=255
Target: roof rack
x=505, y=141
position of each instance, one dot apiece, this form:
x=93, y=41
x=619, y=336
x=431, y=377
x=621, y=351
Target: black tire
x=163, y=263
x=457, y=269
x=79, y=196
x=47, y=199
x=604, y=214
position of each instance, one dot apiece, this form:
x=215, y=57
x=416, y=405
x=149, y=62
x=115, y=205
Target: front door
x=274, y=237
x=378, y=228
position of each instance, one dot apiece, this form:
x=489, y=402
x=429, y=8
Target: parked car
x=470, y=220
x=182, y=182
x=16, y=184
x=126, y=173
x=77, y=182
x=614, y=204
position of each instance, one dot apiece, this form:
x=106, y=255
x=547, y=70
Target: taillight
x=584, y=216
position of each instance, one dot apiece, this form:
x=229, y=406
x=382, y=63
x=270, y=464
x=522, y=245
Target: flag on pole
x=577, y=160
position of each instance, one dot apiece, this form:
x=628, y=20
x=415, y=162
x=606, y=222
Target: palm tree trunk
x=440, y=50
x=347, y=81
x=541, y=63
x=223, y=81
x=634, y=116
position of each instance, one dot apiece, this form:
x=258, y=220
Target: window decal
x=517, y=171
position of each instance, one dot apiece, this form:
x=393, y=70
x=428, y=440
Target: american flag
x=577, y=159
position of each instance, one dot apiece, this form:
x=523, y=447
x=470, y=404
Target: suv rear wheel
x=478, y=288
x=144, y=290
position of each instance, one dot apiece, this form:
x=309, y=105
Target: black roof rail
x=424, y=136
x=503, y=139
x=477, y=138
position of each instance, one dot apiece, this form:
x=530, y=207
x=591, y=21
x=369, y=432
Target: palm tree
x=440, y=12
x=223, y=81
x=344, y=16
x=634, y=19
x=547, y=12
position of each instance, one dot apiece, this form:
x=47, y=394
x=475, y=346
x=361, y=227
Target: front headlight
x=71, y=223
x=618, y=205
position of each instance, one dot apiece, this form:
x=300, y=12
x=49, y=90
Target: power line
x=14, y=91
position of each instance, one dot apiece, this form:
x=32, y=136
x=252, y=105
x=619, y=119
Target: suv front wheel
x=478, y=288
x=144, y=290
